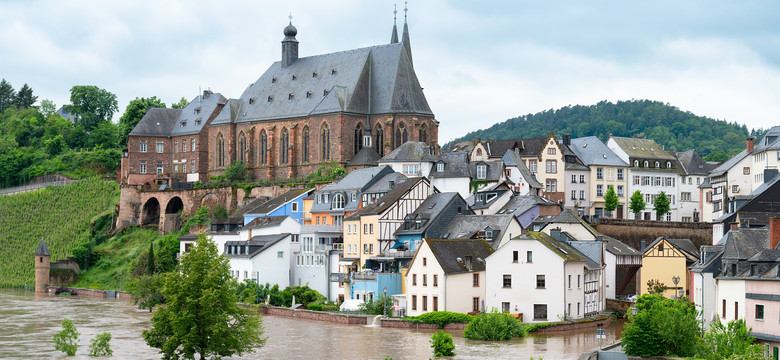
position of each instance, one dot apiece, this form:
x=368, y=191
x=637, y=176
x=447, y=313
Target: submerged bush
x=442, y=345
x=494, y=325
x=98, y=346
x=67, y=339
x=441, y=318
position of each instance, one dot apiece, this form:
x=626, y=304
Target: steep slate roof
x=617, y=247
x=156, y=122
x=266, y=221
x=561, y=249
x=257, y=244
x=743, y=243
x=770, y=141
x=590, y=251
x=493, y=173
x=278, y=201
x=519, y=204
x=456, y=165
x=467, y=226
x=357, y=179
x=594, y=152
x=712, y=259
x=429, y=210
x=532, y=146
x=497, y=148
x=336, y=82
x=42, y=249
x=367, y=156
x=193, y=117
x=728, y=164
x=692, y=163
x=383, y=185
x=410, y=151
x=642, y=148
x=387, y=200
x=466, y=145
x=512, y=158
x=447, y=253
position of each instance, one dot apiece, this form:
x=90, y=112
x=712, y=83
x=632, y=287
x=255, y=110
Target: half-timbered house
x=667, y=261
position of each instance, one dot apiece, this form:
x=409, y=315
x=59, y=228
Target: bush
x=98, y=346
x=441, y=342
x=380, y=306
x=662, y=327
x=494, y=325
x=441, y=318
x=67, y=339
x=731, y=341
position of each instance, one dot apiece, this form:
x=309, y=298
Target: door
x=620, y=212
x=736, y=310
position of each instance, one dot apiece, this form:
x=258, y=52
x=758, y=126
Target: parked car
x=632, y=298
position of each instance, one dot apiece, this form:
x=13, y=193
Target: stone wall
x=313, y=315
x=577, y=326
x=621, y=306
x=633, y=232
x=405, y=324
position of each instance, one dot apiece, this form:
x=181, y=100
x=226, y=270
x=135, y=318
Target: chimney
x=567, y=139
x=642, y=246
x=749, y=146
x=733, y=225
x=774, y=232
x=555, y=234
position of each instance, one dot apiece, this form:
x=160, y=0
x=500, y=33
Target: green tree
x=78, y=138
x=637, y=203
x=201, y=315
x=731, y=341
x=99, y=345
x=662, y=327
x=150, y=263
x=442, y=345
x=181, y=104
x=55, y=146
x=494, y=325
x=611, y=200
x=25, y=97
x=661, y=205
x=145, y=291
x=219, y=212
x=105, y=136
x=716, y=156
x=67, y=339
x=236, y=172
x=47, y=108
x=7, y=96
x=134, y=112
x=92, y=104
x=655, y=286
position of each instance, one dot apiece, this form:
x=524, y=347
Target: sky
x=480, y=63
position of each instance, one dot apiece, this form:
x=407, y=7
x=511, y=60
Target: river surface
x=28, y=323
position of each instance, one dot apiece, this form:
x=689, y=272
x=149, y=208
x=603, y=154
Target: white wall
x=460, y=291
x=732, y=291
x=578, y=231
x=270, y=267
x=610, y=261
x=417, y=268
x=459, y=185
x=704, y=296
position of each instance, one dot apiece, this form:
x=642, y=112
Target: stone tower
x=42, y=267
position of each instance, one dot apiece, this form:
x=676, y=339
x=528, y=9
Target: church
x=306, y=111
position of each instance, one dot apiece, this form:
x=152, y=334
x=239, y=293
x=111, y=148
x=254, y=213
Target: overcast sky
x=480, y=63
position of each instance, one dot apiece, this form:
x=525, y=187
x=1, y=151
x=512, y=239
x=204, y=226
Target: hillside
x=59, y=214
x=669, y=126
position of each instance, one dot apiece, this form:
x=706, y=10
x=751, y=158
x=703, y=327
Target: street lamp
x=634, y=310
x=120, y=280
x=384, y=302
x=675, y=280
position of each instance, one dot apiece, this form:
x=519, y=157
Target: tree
x=716, y=156
x=494, y=325
x=92, y=104
x=47, y=108
x=181, y=104
x=611, y=200
x=99, y=346
x=441, y=342
x=150, y=263
x=145, y=291
x=7, y=96
x=637, y=203
x=67, y=340
x=731, y=341
x=201, y=315
x=661, y=205
x=655, y=286
x=55, y=146
x=662, y=327
x=25, y=98
x=134, y=112
x=105, y=136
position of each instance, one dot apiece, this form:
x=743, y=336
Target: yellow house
x=667, y=260
x=361, y=238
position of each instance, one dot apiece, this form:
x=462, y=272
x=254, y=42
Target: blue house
x=287, y=204
x=430, y=219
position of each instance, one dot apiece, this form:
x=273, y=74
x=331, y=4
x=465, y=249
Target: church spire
x=394, y=36
x=405, y=38
x=289, y=45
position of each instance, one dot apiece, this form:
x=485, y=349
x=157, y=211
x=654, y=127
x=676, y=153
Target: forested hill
x=669, y=126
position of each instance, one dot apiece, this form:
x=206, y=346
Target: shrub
x=380, y=306
x=67, y=339
x=441, y=342
x=98, y=346
x=662, y=327
x=494, y=325
x=441, y=318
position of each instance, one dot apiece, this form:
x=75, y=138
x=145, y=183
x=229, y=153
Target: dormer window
x=338, y=202
x=314, y=74
x=251, y=101
x=197, y=122
x=333, y=71
x=273, y=80
x=197, y=110
x=440, y=167
x=753, y=269
x=647, y=163
x=290, y=96
x=657, y=164
x=324, y=92
x=668, y=164
x=270, y=98
x=488, y=233
x=294, y=77
x=183, y=123
x=308, y=94
x=636, y=163
x=481, y=171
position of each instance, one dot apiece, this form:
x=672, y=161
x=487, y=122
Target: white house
x=413, y=159
x=320, y=247
x=517, y=173
x=451, y=173
x=447, y=275
x=262, y=259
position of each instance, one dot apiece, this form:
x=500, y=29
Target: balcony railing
x=339, y=277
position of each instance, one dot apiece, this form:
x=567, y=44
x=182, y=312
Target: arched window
x=424, y=133
x=668, y=164
x=284, y=147
x=306, y=144
x=358, y=137
x=647, y=164
x=325, y=142
x=657, y=164
x=636, y=163
x=401, y=136
x=479, y=152
x=220, y=150
x=263, y=148
x=379, y=140
x=241, y=146
x=338, y=202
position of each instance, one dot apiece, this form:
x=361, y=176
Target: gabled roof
x=467, y=226
x=728, y=164
x=497, y=148
x=770, y=141
x=594, y=152
x=642, y=148
x=410, y=151
x=358, y=179
x=618, y=248
x=447, y=253
x=519, y=204
x=743, y=243
x=257, y=244
x=512, y=158
x=532, y=146
x=712, y=259
x=456, y=165
x=194, y=116
x=42, y=249
x=385, y=183
x=685, y=246
x=387, y=200
x=429, y=211
x=266, y=221
x=493, y=171
x=156, y=122
x=278, y=201
x=692, y=163
x=559, y=248
x=367, y=156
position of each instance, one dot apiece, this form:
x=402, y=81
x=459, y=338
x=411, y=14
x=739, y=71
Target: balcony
x=339, y=278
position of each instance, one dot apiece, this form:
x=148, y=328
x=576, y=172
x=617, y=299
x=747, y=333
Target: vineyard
x=58, y=214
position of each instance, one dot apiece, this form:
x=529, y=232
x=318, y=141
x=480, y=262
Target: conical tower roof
x=42, y=249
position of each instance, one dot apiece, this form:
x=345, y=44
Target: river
x=28, y=323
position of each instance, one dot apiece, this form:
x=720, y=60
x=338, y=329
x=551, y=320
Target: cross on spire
x=290, y=17
x=405, y=9
x=395, y=11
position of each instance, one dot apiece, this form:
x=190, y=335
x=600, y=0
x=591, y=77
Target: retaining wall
x=619, y=305
x=577, y=326
x=405, y=324
x=92, y=293
x=348, y=319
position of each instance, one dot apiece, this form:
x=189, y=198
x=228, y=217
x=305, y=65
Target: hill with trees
x=669, y=126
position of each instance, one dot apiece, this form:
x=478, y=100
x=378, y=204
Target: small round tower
x=42, y=267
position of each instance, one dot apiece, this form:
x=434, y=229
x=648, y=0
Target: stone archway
x=174, y=206
x=172, y=219
x=151, y=213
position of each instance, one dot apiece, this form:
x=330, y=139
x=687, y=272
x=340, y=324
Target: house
x=575, y=170
x=430, y=220
x=491, y=150
x=489, y=200
x=703, y=275
x=288, y=204
x=694, y=173
x=375, y=191
x=606, y=169
x=652, y=170
x=451, y=173
x=739, y=246
x=515, y=171
x=495, y=229
x=413, y=159
x=485, y=174
x=667, y=261
x=317, y=258
x=729, y=179
x=337, y=200
x=541, y=279
x=526, y=208
x=753, y=210
x=762, y=298
x=447, y=275
x=261, y=259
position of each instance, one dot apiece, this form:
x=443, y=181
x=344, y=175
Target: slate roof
x=493, y=173
x=336, y=82
x=429, y=210
x=497, y=148
x=194, y=116
x=618, y=248
x=456, y=165
x=561, y=249
x=385, y=183
x=410, y=151
x=266, y=221
x=743, y=243
x=728, y=164
x=771, y=255
x=42, y=249
x=156, y=122
x=387, y=200
x=356, y=179
x=278, y=201
x=686, y=246
x=642, y=148
x=594, y=152
x=770, y=141
x=257, y=244
x=712, y=259
x=367, y=156
x=532, y=146
x=467, y=226
x=466, y=145
x=447, y=253
x=519, y=204
x=692, y=163
x=512, y=158
x=590, y=251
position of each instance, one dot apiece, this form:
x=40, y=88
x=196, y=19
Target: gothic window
x=263, y=148
x=380, y=140
x=284, y=147
x=325, y=142
x=242, y=146
x=358, y=137
x=424, y=133
x=306, y=144
x=220, y=150
x=401, y=135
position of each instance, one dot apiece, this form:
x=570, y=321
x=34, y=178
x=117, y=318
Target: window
x=294, y=207
x=354, y=197
x=325, y=142
x=159, y=168
x=550, y=151
x=220, y=150
x=358, y=141
x=515, y=256
x=507, y=281
x=176, y=167
x=401, y=136
x=647, y=163
x=414, y=302
x=414, y=279
x=569, y=281
x=192, y=143
x=734, y=188
x=142, y=168
x=686, y=196
x=425, y=303
x=425, y=261
x=435, y=280
x=636, y=179
x=574, y=179
x=759, y=312
x=481, y=171
x=578, y=281
x=532, y=166
x=636, y=163
x=412, y=169
x=505, y=306
x=184, y=145
x=475, y=280
x=668, y=181
x=620, y=190
x=284, y=147
x=582, y=179
x=582, y=194
x=529, y=256
x=435, y=303
x=280, y=254
x=668, y=164
x=440, y=167
x=370, y=248
x=425, y=279
x=479, y=152
x=475, y=304
x=551, y=166
x=143, y=146
x=550, y=185
x=540, y=281
x=365, y=228
x=599, y=173
x=160, y=146
x=305, y=147
x=657, y=164
x=574, y=194
x=338, y=202
x=540, y=311
x=620, y=174
x=599, y=190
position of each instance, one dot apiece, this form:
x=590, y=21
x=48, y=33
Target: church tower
x=405, y=37
x=42, y=267
x=394, y=35
x=289, y=45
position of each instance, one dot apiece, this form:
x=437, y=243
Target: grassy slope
x=61, y=215
x=117, y=254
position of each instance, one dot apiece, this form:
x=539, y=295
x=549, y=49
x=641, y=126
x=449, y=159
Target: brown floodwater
x=28, y=323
